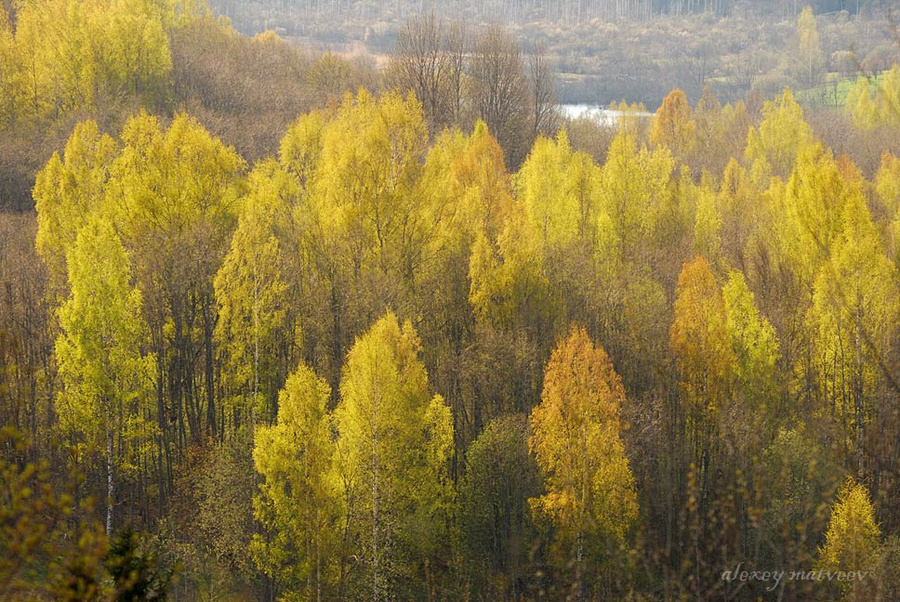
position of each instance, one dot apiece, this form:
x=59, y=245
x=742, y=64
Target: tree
x=780, y=136
x=861, y=106
x=394, y=440
x=634, y=188
x=495, y=523
x=136, y=573
x=135, y=57
x=509, y=287
x=499, y=91
x=811, y=58
x=67, y=191
x=251, y=296
x=852, y=318
x=852, y=539
x=674, y=126
x=755, y=347
x=428, y=60
x=296, y=501
x=591, y=497
x=37, y=551
x=173, y=196
x=701, y=344
x=106, y=379
x=543, y=101
x=558, y=188
x=708, y=226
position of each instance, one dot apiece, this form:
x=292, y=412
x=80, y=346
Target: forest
x=604, y=50
x=280, y=325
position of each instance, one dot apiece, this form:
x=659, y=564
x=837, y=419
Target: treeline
x=564, y=11
x=379, y=365
x=64, y=60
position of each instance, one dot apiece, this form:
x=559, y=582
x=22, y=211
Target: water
x=596, y=113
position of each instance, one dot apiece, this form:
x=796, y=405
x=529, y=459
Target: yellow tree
x=67, y=190
x=852, y=539
x=779, y=137
x=853, y=319
x=861, y=106
x=296, y=502
x=509, y=284
x=591, y=497
x=674, y=126
x=811, y=57
x=700, y=341
x=370, y=160
x=10, y=93
x=887, y=185
x=708, y=225
x=251, y=296
x=464, y=193
x=633, y=189
x=135, y=57
x=755, y=347
x=887, y=97
x=106, y=379
x=812, y=212
x=366, y=225
x=394, y=440
x=557, y=187
x=173, y=195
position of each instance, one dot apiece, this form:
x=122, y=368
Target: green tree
x=494, y=520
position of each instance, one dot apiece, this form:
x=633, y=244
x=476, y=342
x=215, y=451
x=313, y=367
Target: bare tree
x=428, y=60
x=499, y=91
x=544, y=102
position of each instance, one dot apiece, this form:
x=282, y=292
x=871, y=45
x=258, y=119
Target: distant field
x=833, y=93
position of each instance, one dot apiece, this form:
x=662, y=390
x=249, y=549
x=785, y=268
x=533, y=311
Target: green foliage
x=494, y=518
x=135, y=572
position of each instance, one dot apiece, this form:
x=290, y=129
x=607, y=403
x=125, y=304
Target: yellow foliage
x=576, y=440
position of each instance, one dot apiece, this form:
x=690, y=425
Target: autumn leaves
x=305, y=312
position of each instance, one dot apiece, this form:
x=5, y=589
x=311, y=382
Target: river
x=596, y=113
